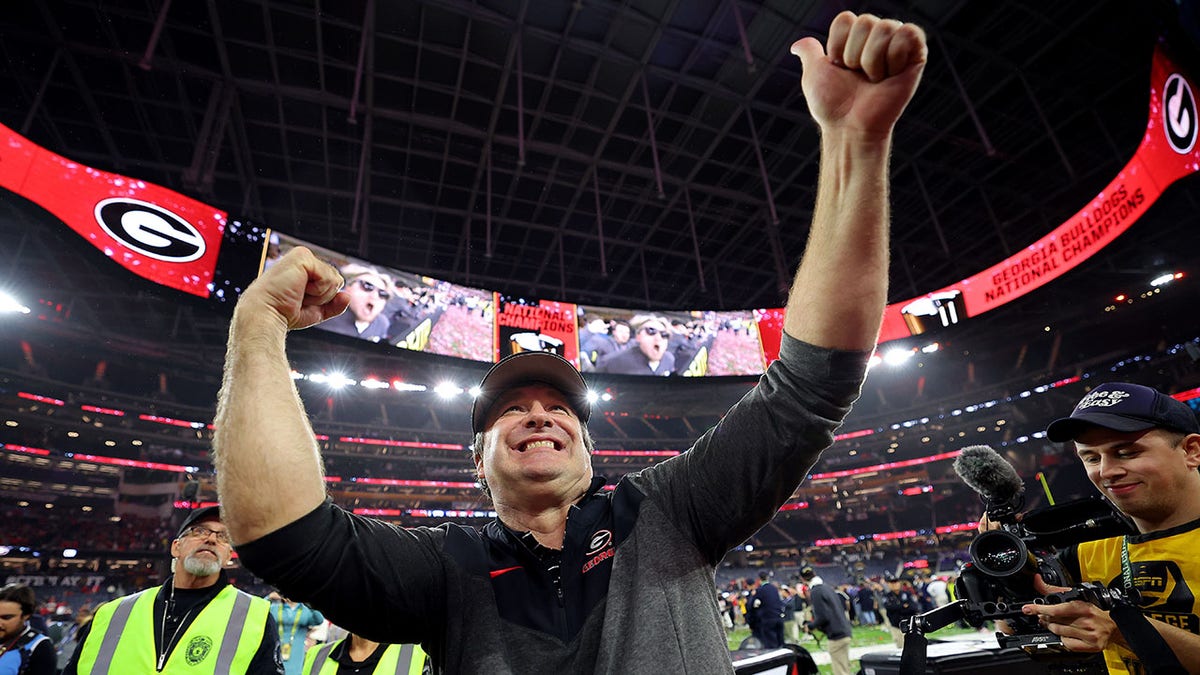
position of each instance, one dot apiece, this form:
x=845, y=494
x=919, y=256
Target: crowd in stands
x=82, y=530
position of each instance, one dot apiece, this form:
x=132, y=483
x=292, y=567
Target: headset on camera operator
x=1141, y=449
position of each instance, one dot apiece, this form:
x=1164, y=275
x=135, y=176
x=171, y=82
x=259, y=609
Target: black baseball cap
x=200, y=514
x=525, y=368
x=1121, y=406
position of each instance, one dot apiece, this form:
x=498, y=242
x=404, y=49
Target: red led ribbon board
x=149, y=230
x=1168, y=152
x=173, y=240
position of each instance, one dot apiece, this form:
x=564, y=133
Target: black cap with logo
x=525, y=368
x=1121, y=406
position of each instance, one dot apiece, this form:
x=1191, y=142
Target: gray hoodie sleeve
x=738, y=474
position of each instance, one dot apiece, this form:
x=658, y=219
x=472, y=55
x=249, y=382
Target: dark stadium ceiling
x=392, y=129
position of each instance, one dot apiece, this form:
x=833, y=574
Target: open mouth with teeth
x=539, y=445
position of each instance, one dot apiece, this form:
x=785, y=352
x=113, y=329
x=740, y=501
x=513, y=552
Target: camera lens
x=999, y=554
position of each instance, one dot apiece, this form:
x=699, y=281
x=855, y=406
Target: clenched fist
x=299, y=290
x=864, y=76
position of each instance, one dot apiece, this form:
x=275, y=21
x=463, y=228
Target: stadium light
x=1163, y=279
x=897, y=357
x=340, y=381
x=10, y=304
x=592, y=396
x=447, y=390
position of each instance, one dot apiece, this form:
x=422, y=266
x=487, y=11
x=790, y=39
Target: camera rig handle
x=1144, y=641
x=975, y=613
x=1034, y=641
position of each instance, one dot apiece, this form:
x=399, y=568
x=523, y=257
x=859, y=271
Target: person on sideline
x=829, y=617
x=293, y=619
x=23, y=650
x=195, y=622
x=356, y=654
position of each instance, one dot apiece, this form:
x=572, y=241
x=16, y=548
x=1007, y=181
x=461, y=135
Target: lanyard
x=1127, y=572
x=1132, y=594
x=167, y=644
x=9, y=646
x=295, y=623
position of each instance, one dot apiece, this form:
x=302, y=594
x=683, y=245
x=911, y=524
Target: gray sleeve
x=738, y=474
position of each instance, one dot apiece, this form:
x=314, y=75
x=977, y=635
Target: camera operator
x=1141, y=449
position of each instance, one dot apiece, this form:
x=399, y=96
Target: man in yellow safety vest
x=195, y=622
x=357, y=654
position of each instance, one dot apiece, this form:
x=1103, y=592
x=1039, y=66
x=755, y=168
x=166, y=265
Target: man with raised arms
x=571, y=578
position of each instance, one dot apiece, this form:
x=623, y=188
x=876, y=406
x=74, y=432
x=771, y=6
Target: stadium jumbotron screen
x=195, y=248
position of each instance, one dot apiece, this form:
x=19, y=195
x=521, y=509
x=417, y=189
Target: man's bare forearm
x=840, y=288
x=1185, y=644
x=269, y=470
x=856, y=86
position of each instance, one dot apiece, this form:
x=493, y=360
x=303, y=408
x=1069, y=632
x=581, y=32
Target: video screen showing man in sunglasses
x=648, y=356
x=369, y=291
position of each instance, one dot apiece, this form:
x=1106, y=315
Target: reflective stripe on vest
x=314, y=660
x=112, y=635
x=122, y=636
x=405, y=659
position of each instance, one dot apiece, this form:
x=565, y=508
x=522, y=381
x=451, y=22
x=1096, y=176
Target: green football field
x=864, y=636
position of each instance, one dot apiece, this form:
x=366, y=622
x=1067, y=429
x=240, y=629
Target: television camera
x=999, y=579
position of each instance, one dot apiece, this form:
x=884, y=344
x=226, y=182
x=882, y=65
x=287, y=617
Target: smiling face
x=201, y=552
x=533, y=447
x=1149, y=475
x=368, y=296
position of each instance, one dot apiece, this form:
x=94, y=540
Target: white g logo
x=150, y=230
x=1179, y=114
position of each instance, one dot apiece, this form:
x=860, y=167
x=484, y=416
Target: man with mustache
x=571, y=578
x=194, y=623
